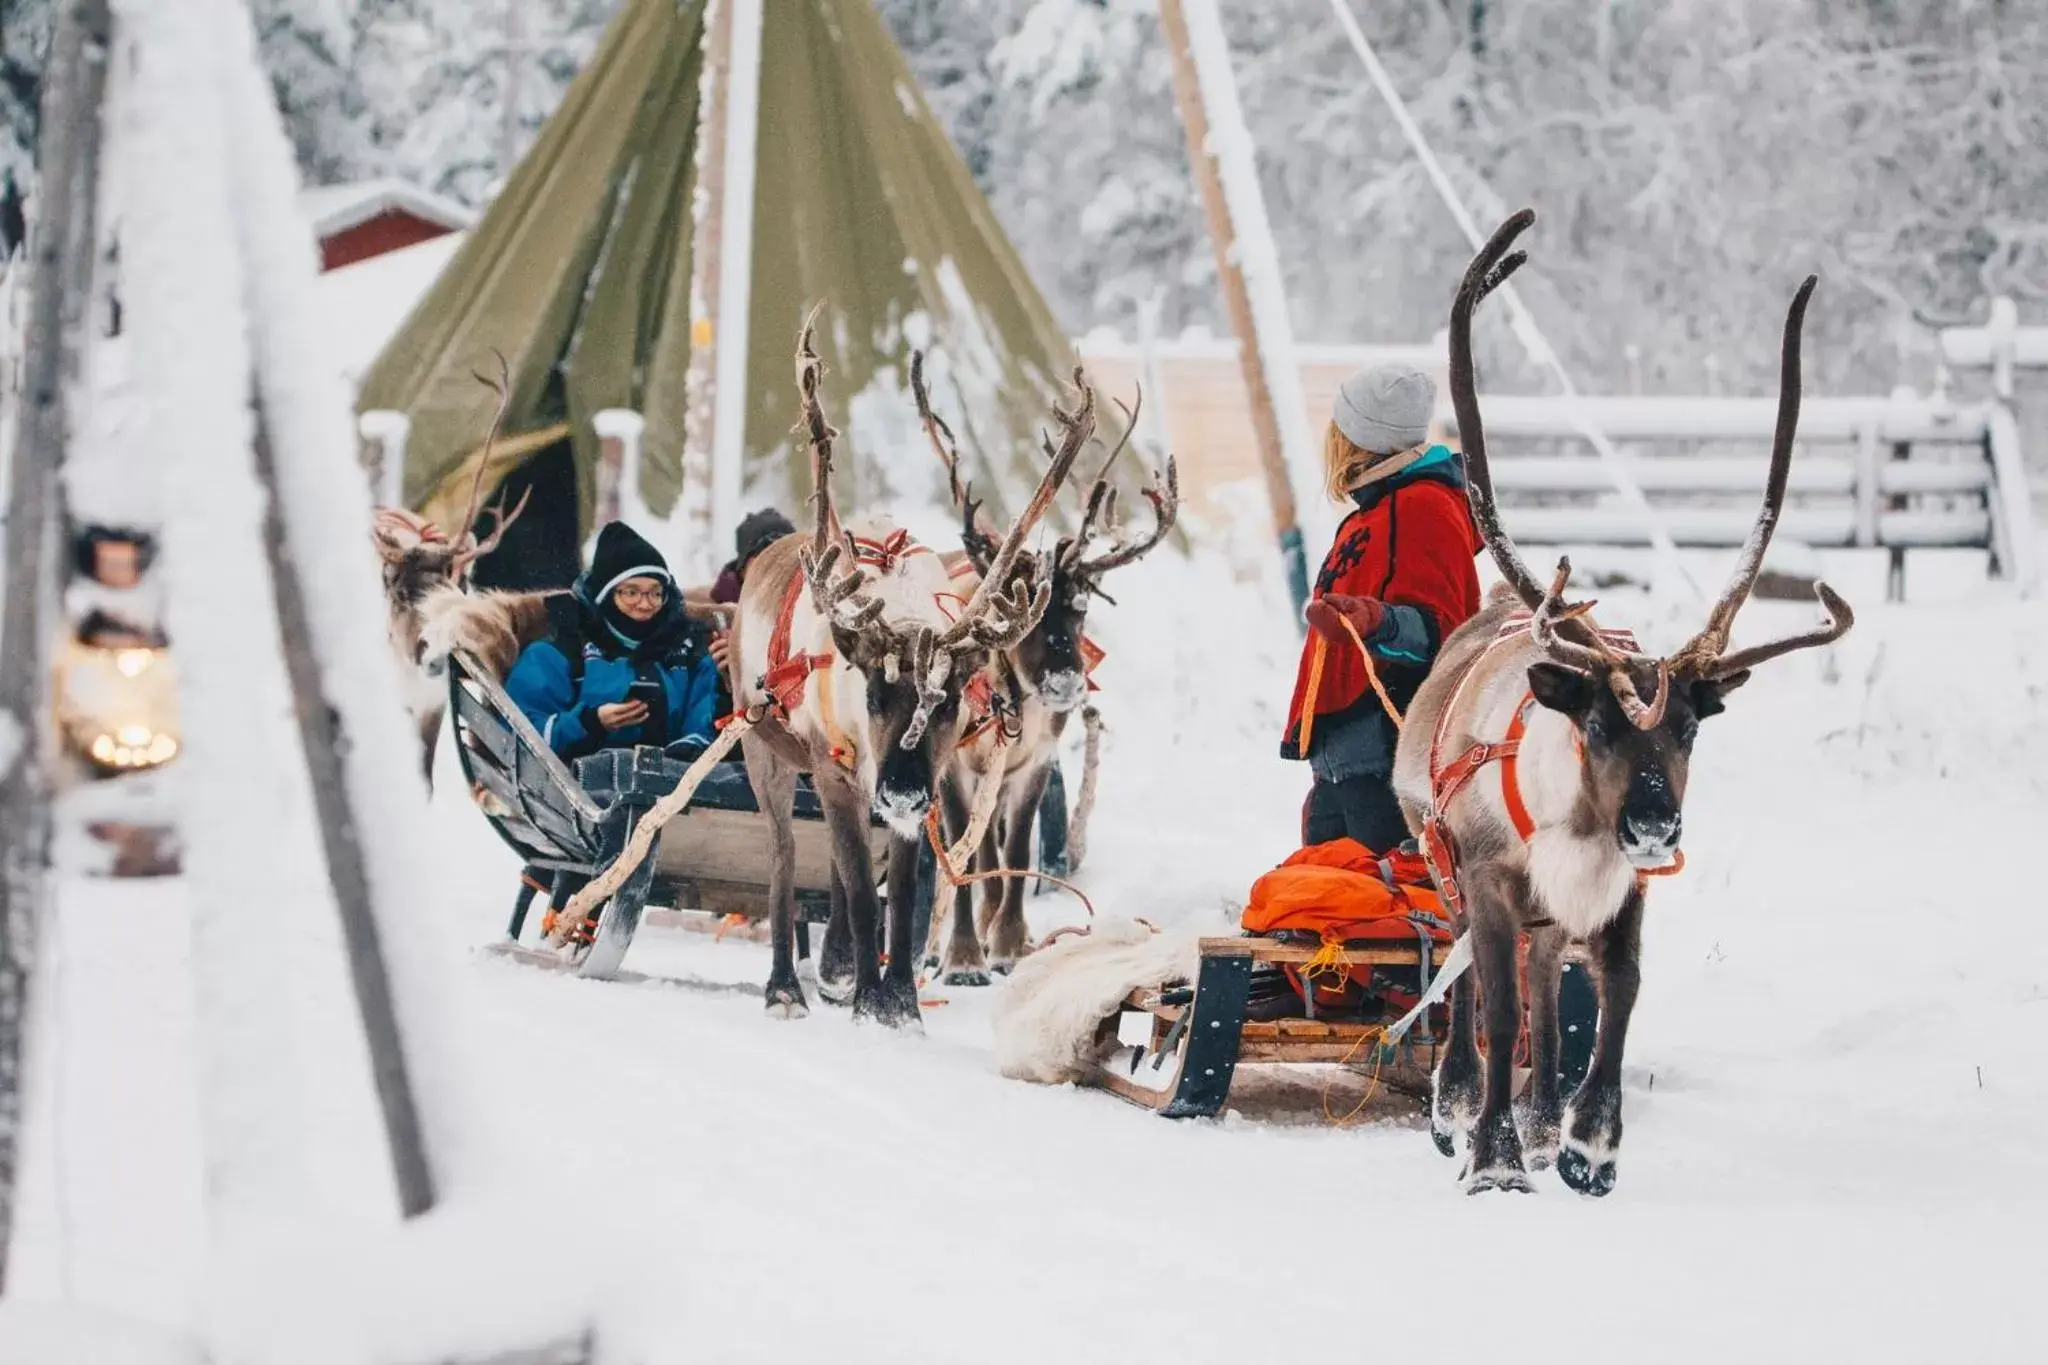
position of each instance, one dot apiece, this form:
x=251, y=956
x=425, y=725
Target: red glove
x=1326, y=616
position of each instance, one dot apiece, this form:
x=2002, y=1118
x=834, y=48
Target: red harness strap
x=787, y=677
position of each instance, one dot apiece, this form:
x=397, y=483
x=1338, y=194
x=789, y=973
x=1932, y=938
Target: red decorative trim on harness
x=883, y=555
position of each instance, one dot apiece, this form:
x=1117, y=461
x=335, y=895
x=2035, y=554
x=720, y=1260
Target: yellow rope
x=1315, y=681
x=1372, y=1087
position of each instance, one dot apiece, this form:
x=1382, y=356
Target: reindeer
x=1034, y=688
x=1554, y=829
x=426, y=579
x=844, y=648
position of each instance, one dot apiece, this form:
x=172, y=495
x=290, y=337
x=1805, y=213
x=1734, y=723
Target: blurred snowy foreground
x=1836, y=1083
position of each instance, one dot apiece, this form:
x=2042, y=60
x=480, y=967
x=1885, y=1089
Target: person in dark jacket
x=622, y=665
x=1400, y=575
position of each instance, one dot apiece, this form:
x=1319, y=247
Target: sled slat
x=1363, y=953
x=484, y=727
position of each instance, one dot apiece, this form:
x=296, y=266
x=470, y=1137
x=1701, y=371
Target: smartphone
x=649, y=692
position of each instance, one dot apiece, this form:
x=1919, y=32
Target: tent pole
x=735, y=269
x=707, y=210
x=1238, y=229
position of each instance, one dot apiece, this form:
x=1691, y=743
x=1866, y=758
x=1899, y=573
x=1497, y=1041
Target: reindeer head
x=419, y=557
x=1049, y=655
x=1635, y=753
x=883, y=623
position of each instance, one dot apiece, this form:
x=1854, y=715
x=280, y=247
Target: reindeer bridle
x=1564, y=631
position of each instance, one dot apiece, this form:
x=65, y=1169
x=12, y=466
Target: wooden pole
x=60, y=261
x=707, y=211
x=1194, y=118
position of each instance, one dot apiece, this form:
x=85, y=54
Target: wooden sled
x=1199, y=1036
x=566, y=826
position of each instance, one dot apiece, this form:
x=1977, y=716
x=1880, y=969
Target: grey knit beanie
x=1386, y=408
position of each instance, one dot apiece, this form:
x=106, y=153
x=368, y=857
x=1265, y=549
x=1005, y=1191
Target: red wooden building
x=357, y=221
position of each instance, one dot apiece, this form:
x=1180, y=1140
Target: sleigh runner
x=569, y=826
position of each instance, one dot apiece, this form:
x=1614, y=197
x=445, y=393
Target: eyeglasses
x=654, y=596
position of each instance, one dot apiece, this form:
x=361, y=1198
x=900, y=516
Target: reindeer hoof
x=1003, y=966
x=1499, y=1178
x=1445, y=1140
x=836, y=990
x=893, y=1005
x=1582, y=1173
x=965, y=976
x=786, y=1002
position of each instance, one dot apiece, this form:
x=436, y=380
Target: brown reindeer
x=1547, y=788
x=426, y=579
x=1034, y=688
x=844, y=640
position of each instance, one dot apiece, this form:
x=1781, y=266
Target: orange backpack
x=1342, y=892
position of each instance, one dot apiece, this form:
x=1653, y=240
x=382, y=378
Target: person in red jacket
x=1400, y=574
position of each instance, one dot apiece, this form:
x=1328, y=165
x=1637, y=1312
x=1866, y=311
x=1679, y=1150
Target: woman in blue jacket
x=622, y=664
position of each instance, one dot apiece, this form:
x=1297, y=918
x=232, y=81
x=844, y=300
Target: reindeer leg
x=1496, y=1158
x=774, y=783
x=1592, y=1125
x=899, y=978
x=1541, y=1114
x=963, y=963
x=1454, y=1089
x=846, y=815
x=1009, y=937
x=835, y=958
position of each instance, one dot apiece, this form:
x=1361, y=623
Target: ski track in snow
x=1816, y=1173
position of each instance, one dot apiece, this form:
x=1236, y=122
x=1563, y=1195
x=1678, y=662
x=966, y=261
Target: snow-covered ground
x=1836, y=1080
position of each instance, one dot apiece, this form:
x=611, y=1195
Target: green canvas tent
x=580, y=274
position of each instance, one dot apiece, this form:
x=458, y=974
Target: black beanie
x=758, y=532
x=622, y=553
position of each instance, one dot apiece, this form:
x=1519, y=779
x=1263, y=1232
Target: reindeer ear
x=1562, y=688
x=1710, y=696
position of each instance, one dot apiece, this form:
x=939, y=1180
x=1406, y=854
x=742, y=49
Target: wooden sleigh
x=712, y=860
x=1198, y=1036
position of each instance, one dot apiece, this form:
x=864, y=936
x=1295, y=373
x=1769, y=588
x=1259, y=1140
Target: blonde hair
x=1347, y=467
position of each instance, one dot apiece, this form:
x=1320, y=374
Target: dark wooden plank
x=483, y=728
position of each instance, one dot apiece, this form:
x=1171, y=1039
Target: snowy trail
x=1813, y=1170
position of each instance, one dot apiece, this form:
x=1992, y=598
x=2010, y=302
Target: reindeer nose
x=902, y=809
x=1650, y=840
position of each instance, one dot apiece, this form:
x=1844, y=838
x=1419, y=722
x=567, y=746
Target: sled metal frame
x=1200, y=1036
x=557, y=825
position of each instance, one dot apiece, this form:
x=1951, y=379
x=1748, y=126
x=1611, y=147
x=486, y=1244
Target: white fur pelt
x=1047, y=1014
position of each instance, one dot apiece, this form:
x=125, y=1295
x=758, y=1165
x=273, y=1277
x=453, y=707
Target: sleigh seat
x=568, y=824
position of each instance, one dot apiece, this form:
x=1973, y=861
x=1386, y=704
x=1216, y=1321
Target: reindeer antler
x=1100, y=511
x=1489, y=270
x=1705, y=655
x=976, y=535
x=1599, y=658
x=1022, y=605
x=468, y=554
x=837, y=598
